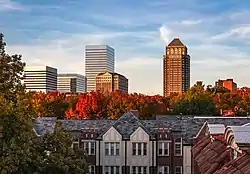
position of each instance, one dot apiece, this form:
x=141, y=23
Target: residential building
x=98, y=58
x=228, y=84
x=222, y=149
x=131, y=146
x=40, y=78
x=109, y=82
x=71, y=83
x=176, y=68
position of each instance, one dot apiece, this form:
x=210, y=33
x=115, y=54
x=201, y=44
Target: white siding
x=112, y=136
x=187, y=158
x=139, y=136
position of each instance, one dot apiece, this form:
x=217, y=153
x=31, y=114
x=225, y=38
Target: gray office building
x=40, y=78
x=98, y=59
x=73, y=83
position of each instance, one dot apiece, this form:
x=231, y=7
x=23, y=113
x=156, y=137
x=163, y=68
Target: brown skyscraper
x=176, y=66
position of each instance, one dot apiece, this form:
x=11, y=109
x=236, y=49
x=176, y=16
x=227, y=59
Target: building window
x=91, y=169
x=163, y=170
x=139, y=148
x=163, y=148
x=89, y=148
x=112, y=149
x=139, y=170
x=178, y=170
x=75, y=143
x=178, y=147
x=111, y=170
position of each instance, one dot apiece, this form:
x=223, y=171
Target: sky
x=55, y=32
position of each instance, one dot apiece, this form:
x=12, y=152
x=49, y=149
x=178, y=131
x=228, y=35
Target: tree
x=196, y=101
x=58, y=156
x=21, y=150
x=11, y=69
x=17, y=141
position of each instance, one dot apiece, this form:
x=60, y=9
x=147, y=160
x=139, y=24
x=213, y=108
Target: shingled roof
x=210, y=155
x=189, y=126
x=240, y=164
x=176, y=42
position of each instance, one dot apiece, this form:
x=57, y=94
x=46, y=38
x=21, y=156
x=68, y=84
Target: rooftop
x=176, y=42
x=188, y=126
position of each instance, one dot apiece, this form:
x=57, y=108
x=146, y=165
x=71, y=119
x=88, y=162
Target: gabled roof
x=241, y=134
x=128, y=123
x=189, y=126
x=176, y=42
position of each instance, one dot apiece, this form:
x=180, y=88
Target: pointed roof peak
x=176, y=42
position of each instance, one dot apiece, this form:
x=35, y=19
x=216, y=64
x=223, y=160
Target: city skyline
x=139, y=36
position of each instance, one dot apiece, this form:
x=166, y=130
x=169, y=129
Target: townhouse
x=133, y=146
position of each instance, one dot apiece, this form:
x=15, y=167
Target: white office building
x=98, y=59
x=40, y=78
x=73, y=83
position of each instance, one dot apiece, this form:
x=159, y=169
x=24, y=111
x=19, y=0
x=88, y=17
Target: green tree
x=196, y=101
x=59, y=157
x=21, y=150
x=11, y=69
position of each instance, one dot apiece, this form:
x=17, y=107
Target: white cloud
x=191, y=22
x=68, y=55
x=241, y=32
x=10, y=5
x=165, y=34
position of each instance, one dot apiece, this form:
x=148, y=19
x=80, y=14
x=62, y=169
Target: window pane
x=106, y=148
x=117, y=148
x=133, y=170
x=134, y=148
x=145, y=149
x=112, y=148
x=139, y=170
x=178, y=149
x=106, y=170
x=144, y=170
x=92, y=148
x=112, y=170
x=165, y=148
x=139, y=148
x=117, y=170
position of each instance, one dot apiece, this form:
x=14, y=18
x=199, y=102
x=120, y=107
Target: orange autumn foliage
x=97, y=105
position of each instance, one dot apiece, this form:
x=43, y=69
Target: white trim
x=162, y=144
x=116, y=145
x=137, y=130
x=90, y=169
x=203, y=126
x=110, y=169
x=87, y=145
x=137, y=148
x=176, y=168
x=179, y=143
x=161, y=170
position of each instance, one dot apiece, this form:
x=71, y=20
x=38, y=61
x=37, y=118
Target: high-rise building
x=176, y=68
x=40, y=78
x=72, y=83
x=109, y=82
x=228, y=84
x=98, y=59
